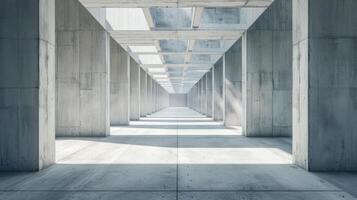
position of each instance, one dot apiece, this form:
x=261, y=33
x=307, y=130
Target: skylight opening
x=127, y=19
x=160, y=76
x=150, y=59
x=143, y=49
x=156, y=69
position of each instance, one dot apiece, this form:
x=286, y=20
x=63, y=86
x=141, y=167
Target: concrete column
x=82, y=72
x=195, y=97
x=267, y=73
x=143, y=93
x=134, y=90
x=149, y=95
x=233, y=82
x=324, y=85
x=27, y=85
x=154, y=96
x=209, y=93
x=218, y=100
x=204, y=95
x=120, y=85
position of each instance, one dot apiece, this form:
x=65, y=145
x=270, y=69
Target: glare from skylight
x=160, y=76
x=143, y=49
x=127, y=19
x=150, y=59
x=156, y=69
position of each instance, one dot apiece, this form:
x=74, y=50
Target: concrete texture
x=324, y=92
x=233, y=85
x=267, y=73
x=143, y=93
x=209, y=90
x=175, y=154
x=119, y=85
x=149, y=98
x=192, y=98
x=82, y=72
x=27, y=85
x=178, y=100
x=218, y=96
x=134, y=90
x=203, y=95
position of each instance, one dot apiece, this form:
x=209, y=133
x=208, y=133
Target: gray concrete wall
x=143, y=93
x=218, y=100
x=267, y=72
x=134, y=90
x=209, y=94
x=233, y=82
x=325, y=92
x=164, y=98
x=27, y=85
x=82, y=72
x=119, y=85
x=178, y=100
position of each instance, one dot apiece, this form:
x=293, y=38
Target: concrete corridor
x=176, y=153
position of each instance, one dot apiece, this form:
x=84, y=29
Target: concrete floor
x=183, y=157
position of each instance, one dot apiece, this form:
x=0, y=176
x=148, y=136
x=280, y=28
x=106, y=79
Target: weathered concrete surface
x=209, y=94
x=155, y=86
x=164, y=99
x=134, y=90
x=218, y=100
x=149, y=99
x=27, y=85
x=178, y=100
x=143, y=93
x=233, y=85
x=119, y=85
x=203, y=95
x=267, y=73
x=158, y=158
x=82, y=72
x=192, y=98
x=324, y=85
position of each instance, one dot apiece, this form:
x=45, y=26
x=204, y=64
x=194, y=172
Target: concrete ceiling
x=178, y=41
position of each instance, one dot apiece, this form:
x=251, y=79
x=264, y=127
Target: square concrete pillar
x=149, y=103
x=218, y=96
x=134, y=90
x=204, y=95
x=120, y=85
x=143, y=93
x=209, y=86
x=27, y=85
x=82, y=72
x=325, y=84
x=233, y=85
x=267, y=72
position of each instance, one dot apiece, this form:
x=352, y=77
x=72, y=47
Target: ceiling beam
x=144, y=36
x=218, y=53
x=175, y=3
x=176, y=65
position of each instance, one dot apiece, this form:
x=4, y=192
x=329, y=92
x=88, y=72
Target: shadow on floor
x=194, y=141
x=152, y=181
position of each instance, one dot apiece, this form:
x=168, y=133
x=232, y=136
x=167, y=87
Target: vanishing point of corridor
x=175, y=153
